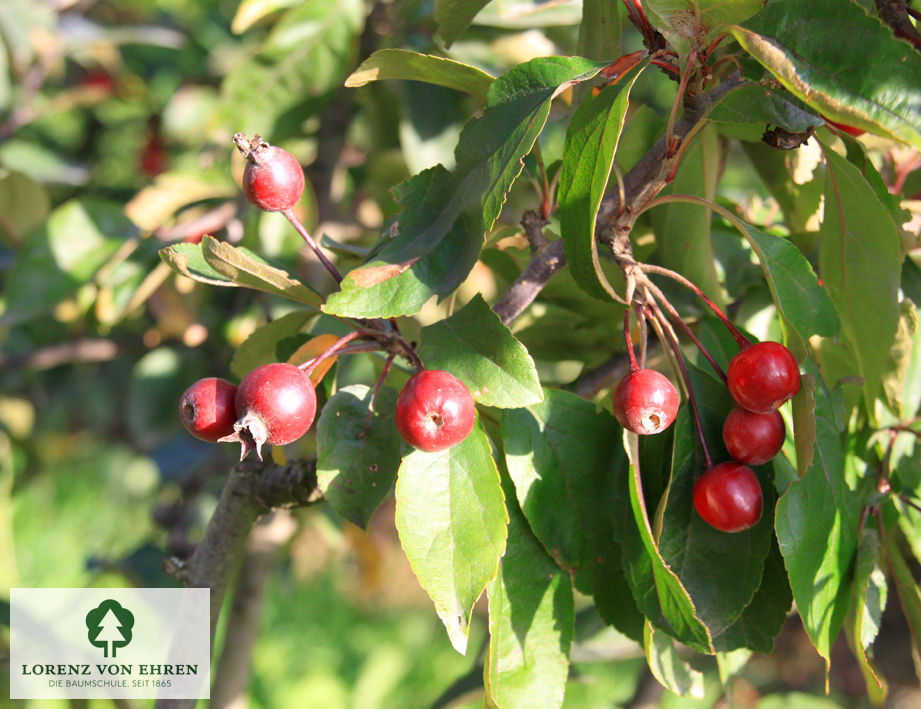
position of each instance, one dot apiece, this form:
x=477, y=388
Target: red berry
x=763, y=376
x=728, y=497
x=753, y=438
x=646, y=402
x=273, y=179
x=275, y=404
x=435, y=411
x=206, y=409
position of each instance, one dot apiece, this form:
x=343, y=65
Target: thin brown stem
x=629, y=341
x=296, y=223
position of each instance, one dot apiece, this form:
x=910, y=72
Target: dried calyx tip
x=248, y=148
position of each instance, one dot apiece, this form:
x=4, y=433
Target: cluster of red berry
x=761, y=377
x=276, y=403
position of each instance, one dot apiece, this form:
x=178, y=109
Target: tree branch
x=644, y=181
x=252, y=489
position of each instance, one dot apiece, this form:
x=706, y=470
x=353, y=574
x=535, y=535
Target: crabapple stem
x=383, y=337
x=659, y=296
x=692, y=400
x=740, y=339
x=629, y=341
x=296, y=223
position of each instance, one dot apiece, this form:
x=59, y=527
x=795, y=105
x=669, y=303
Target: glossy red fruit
x=763, y=376
x=728, y=497
x=206, y=409
x=434, y=411
x=646, y=402
x=273, y=179
x=753, y=439
x=275, y=404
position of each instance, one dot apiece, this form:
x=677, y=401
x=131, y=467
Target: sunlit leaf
x=791, y=39
x=531, y=614
x=667, y=666
x=478, y=349
x=276, y=341
x=452, y=522
x=870, y=595
x=405, y=64
x=441, y=229
x=815, y=522
x=860, y=259
x=588, y=158
x=561, y=458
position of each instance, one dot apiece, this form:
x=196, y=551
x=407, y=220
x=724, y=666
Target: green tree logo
x=109, y=626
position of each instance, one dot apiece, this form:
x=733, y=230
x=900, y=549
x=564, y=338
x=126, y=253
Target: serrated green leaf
x=763, y=618
x=860, y=258
x=531, y=621
x=478, y=349
x=794, y=285
x=790, y=38
x=682, y=230
x=720, y=572
x=413, y=66
x=588, y=157
x=435, y=241
x=815, y=521
x=358, y=451
x=870, y=594
x=560, y=457
x=658, y=591
x=64, y=254
x=667, y=666
x=901, y=381
x=220, y=264
x=452, y=522
x=273, y=342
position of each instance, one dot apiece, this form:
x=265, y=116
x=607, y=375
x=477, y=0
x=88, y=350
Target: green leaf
x=65, y=254
x=413, y=66
x=682, y=230
x=667, y=666
x=905, y=585
x=753, y=103
x=588, y=157
x=720, y=572
x=860, y=258
x=658, y=591
x=273, y=342
x=804, y=422
x=157, y=203
x=301, y=63
x=790, y=38
x=531, y=621
x=560, y=456
x=902, y=375
x=221, y=264
x=815, y=521
x=251, y=12
x=451, y=518
x=763, y=618
x=358, y=451
x=455, y=16
x=870, y=593
x=599, y=31
x=794, y=285
x=478, y=349
x=435, y=241
x=24, y=205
